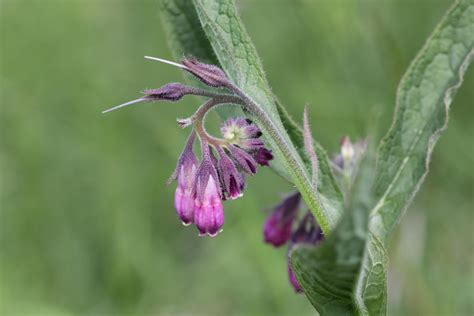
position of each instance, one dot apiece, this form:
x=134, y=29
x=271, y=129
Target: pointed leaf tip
x=309, y=148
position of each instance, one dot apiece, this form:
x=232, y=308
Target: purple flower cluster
x=220, y=175
x=282, y=226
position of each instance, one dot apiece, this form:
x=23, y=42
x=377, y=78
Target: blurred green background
x=87, y=223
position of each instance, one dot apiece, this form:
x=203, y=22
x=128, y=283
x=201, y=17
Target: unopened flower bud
x=171, y=92
x=244, y=160
x=233, y=182
x=211, y=75
x=263, y=156
x=350, y=153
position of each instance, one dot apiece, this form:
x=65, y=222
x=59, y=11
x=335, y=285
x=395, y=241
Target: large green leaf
x=424, y=96
x=226, y=37
x=347, y=274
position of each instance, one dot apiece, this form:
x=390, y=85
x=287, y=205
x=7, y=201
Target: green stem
x=292, y=160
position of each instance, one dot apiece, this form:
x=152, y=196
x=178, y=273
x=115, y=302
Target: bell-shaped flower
x=208, y=210
x=185, y=172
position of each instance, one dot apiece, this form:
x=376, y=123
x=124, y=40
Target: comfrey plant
x=337, y=248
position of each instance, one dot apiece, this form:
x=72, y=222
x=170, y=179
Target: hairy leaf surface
x=346, y=275
x=424, y=96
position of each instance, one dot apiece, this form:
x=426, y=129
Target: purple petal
x=245, y=160
x=231, y=178
x=184, y=205
x=263, y=156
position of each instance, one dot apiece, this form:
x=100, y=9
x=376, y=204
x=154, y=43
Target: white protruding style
x=166, y=62
x=123, y=105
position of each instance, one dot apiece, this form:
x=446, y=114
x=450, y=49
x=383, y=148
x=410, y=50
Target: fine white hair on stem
x=166, y=62
x=123, y=104
x=309, y=147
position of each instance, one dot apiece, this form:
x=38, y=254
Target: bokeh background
x=87, y=223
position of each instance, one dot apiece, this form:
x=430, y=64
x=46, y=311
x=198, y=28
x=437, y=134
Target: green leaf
x=237, y=56
x=184, y=33
x=424, y=96
x=346, y=275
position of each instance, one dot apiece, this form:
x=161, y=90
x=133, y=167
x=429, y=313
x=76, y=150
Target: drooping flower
x=277, y=228
x=208, y=210
x=185, y=172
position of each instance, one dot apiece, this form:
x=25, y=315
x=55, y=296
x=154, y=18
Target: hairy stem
x=302, y=181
